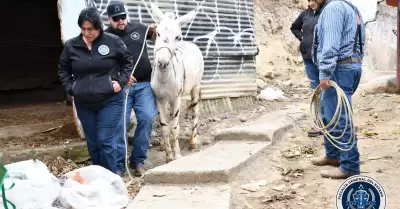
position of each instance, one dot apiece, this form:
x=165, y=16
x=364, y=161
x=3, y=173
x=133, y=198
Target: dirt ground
x=293, y=182
x=48, y=124
x=11, y=115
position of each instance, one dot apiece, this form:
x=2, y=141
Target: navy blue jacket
x=87, y=74
x=303, y=29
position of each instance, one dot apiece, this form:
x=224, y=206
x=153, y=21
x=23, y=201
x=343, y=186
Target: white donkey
x=178, y=70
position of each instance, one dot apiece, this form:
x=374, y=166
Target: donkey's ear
x=187, y=18
x=157, y=13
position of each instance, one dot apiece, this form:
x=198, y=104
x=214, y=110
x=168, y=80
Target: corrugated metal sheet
x=224, y=31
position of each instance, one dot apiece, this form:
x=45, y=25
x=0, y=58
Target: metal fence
x=224, y=31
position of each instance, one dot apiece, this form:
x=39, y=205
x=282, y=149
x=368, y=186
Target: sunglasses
x=119, y=17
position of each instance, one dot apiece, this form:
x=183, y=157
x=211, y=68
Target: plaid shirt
x=336, y=31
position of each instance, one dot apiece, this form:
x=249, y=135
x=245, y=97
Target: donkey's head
x=169, y=34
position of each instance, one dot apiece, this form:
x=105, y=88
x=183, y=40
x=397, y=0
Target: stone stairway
x=202, y=180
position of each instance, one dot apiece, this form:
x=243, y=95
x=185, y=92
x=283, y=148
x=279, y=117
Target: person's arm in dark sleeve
x=297, y=25
x=65, y=70
x=125, y=61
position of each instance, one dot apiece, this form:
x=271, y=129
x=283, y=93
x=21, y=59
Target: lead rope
x=125, y=110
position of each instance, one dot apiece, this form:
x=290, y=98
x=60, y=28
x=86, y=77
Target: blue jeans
x=101, y=130
x=141, y=98
x=312, y=73
x=347, y=76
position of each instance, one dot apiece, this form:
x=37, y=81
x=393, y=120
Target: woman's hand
x=116, y=86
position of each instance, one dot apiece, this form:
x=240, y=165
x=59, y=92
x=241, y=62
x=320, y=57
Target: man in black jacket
x=303, y=30
x=141, y=97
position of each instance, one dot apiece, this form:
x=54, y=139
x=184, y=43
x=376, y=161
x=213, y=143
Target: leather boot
x=321, y=161
x=314, y=133
x=139, y=170
x=335, y=173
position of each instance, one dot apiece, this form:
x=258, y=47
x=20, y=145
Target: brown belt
x=348, y=60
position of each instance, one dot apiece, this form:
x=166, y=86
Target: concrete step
x=215, y=166
x=268, y=127
x=182, y=197
x=218, y=163
x=222, y=161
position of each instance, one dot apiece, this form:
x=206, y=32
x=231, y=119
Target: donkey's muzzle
x=163, y=64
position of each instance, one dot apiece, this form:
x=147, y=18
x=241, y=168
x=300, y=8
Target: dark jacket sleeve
x=125, y=61
x=65, y=69
x=297, y=25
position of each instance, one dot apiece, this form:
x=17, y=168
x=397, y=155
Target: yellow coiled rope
x=343, y=104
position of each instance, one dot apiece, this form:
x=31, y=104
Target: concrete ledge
x=182, y=197
x=73, y=151
x=221, y=162
x=25, y=130
x=209, y=107
x=216, y=164
x=381, y=84
x=269, y=127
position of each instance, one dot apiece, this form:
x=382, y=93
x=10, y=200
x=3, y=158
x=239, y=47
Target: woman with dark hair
x=303, y=30
x=94, y=67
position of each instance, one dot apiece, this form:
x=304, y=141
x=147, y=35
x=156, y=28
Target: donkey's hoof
x=193, y=147
x=177, y=156
x=169, y=159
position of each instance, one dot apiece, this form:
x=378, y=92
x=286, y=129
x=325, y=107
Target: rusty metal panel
x=392, y=3
x=224, y=31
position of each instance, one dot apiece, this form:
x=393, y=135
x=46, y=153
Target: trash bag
x=92, y=187
x=31, y=185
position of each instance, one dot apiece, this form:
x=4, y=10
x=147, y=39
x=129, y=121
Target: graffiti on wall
x=223, y=30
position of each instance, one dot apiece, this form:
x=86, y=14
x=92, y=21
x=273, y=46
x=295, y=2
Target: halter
x=169, y=61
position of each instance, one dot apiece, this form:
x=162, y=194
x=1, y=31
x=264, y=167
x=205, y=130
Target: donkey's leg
x=164, y=129
x=195, y=95
x=174, y=126
x=161, y=147
x=187, y=115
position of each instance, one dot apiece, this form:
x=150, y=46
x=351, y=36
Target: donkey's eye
x=178, y=38
x=158, y=34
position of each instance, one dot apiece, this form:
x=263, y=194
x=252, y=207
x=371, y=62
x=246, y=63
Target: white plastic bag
x=35, y=187
x=101, y=189
x=271, y=94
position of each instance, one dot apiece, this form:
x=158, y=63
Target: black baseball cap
x=116, y=8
